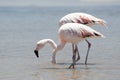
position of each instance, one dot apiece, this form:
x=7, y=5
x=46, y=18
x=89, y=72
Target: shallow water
x=22, y=27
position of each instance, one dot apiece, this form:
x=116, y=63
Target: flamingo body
x=82, y=18
x=74, y=33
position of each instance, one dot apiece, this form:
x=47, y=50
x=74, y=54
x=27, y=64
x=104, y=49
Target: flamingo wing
x=89, y=32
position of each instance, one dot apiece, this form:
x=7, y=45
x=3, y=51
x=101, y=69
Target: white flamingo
x=68, y=33
x=82, y=18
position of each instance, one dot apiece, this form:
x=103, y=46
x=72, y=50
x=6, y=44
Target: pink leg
x=76, y=50
x=73, y=57
x=89, y=46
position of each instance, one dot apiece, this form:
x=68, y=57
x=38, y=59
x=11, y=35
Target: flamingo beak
x=36, y=53
x=103, y=23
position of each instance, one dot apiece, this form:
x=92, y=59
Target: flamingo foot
x=53, y=61
x=74, y=62
x=71, y=66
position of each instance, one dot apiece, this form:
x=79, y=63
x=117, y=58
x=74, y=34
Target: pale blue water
x=22, y=27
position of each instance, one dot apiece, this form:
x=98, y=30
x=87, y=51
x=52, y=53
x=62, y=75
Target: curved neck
x=43, y=42
x=52, y=43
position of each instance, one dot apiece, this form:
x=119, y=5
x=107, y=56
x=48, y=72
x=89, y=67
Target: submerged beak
x=36, y=53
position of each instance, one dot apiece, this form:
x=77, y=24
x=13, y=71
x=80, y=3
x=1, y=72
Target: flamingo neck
x=42, y=43
x=52, y=43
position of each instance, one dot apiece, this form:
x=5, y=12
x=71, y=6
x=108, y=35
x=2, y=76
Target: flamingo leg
x=89, y=46
x=73, y=58
x=77, y=51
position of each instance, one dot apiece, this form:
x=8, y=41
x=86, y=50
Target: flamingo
x=68, y=33
x=82, y=18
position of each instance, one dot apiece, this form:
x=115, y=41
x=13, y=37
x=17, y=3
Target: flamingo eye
x=93, y=21
x=85, y=23
x=88, y=35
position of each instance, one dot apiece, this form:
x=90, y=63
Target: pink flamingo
x=82, y=18
x=68, y=33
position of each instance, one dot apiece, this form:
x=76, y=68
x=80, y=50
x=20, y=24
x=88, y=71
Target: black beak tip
x=36, y=53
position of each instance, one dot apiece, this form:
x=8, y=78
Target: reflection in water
x=77, y=75
x=83, y=73
x=37, y=75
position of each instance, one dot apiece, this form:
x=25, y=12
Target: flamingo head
x=36, y=53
